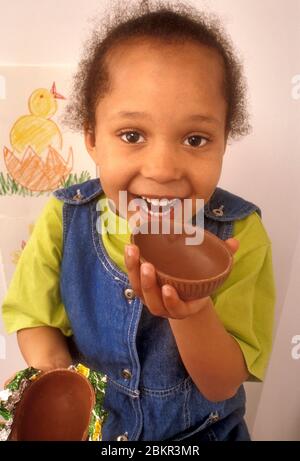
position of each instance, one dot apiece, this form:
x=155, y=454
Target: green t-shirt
x=244, y=303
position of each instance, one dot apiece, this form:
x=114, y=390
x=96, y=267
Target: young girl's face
x=160, y=130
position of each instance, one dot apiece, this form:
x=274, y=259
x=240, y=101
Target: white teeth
x=159, y=202
x=164, y=202
x=159, y=214
x=154, y=201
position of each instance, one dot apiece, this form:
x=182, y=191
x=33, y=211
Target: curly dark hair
x=168, y=22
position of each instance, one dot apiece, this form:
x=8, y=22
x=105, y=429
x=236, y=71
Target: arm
x=44, y=348
x=226, y=338
x=211, y=356
x=230, y=338
x=33, y=306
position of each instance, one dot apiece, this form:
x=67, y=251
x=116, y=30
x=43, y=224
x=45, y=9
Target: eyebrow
x=191, y=118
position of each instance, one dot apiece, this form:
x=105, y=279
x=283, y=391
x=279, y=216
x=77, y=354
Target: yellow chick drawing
x=32, y=136
x=36, y=129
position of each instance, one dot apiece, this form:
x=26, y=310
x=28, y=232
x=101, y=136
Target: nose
x=162, y=165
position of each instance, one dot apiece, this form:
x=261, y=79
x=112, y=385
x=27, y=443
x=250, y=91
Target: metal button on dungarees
x=214, y=417
x=123, y=437
x=218, y=211
x=126, y=374
x=129, y=293
x=78, y=196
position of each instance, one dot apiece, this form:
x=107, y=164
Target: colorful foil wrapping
x=13, y=391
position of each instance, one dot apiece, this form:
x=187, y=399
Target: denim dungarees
x=149, y=395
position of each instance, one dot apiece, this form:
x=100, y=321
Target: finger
x=233, y=245
x=176, y=307
x=132, y=262
x=152, y=291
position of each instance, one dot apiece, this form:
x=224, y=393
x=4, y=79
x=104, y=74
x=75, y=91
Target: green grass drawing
x=8, y=186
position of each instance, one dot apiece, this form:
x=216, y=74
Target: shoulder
x=50, y=217
x=46, y=237
x=252, y=230
x=52, y=209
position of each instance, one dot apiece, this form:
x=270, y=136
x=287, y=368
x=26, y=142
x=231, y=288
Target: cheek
x=113, y=176
x=206, y=177
x=208, y=170
x=110, y=158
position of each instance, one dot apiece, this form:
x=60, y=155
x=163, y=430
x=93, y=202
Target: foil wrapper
x=98, y=381
x=12, y=394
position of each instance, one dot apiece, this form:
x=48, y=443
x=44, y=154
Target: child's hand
x=163, y=302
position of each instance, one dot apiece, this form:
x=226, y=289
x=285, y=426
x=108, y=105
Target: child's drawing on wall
x=31, y=136
x=35, y=161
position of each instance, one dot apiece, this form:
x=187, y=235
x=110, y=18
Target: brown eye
x=131, y=137
x=197, y=141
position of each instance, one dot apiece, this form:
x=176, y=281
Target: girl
x=157, y=96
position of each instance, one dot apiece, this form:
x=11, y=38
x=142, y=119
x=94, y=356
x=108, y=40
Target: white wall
x=263, y=167
x=278, y=416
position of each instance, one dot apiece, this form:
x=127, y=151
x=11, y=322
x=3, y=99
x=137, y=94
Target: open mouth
x=158, y=206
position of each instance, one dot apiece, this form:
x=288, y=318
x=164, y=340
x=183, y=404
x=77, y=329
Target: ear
x=90, y=144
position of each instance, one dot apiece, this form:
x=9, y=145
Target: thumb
x=233, y=245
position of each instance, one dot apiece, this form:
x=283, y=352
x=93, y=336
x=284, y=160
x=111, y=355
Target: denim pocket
x=212, y=418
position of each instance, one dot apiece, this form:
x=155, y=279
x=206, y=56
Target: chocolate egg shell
x=56, y=406
x=195, y=271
